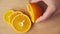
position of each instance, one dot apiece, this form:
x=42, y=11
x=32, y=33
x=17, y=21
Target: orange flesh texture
x=14, y=14
x=25, y=27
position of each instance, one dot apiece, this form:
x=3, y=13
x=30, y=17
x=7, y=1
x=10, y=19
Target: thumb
x=34, y=1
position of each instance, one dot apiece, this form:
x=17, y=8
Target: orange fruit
x=6, y=15
x=34, y=11
x=21, y=23
x=13, y=15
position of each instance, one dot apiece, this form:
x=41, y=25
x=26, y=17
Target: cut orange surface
x=21, y=23
x=34, y=11
x=13, y=15
x=6, y=15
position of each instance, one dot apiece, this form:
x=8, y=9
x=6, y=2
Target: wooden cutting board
x=50, y=26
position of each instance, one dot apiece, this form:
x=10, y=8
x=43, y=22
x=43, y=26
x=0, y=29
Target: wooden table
x=50, y=26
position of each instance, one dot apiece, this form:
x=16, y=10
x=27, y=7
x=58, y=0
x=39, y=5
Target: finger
x=49, y=11
x=34, y=1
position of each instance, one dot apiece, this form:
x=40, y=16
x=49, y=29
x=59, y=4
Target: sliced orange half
x=21, y=23
x=34, y=11
x=13, y=15
x=6, y=15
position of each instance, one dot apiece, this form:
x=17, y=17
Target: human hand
x=53, y=6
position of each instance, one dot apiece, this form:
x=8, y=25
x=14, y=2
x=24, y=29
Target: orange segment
x=21, y=23
x=30, y=11
x=6, y=15
x=34, y=11
x=13, y=15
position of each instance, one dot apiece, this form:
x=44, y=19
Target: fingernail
x=36, y=21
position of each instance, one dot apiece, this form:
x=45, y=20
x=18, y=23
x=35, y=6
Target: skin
x=50, y=26
x=53, y=6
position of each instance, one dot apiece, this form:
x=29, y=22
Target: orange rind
x=34, y=11
x=6, y=15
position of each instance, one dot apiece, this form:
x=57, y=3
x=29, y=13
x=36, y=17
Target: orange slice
x=21, y=23
x=13, y=15
x=34, y=11
x=6, y=15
